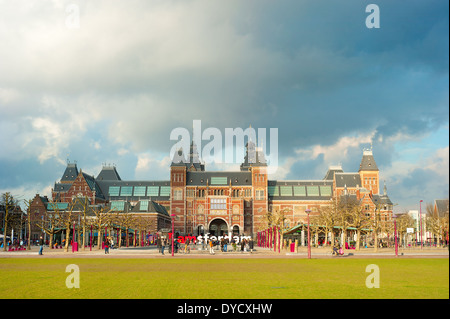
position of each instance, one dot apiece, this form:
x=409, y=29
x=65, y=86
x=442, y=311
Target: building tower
x=255, y=162
x=178, y=190
x=369, y=173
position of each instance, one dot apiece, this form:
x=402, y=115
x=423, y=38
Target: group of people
x=245, y=245
x=16, y=243
x=108, y=242
x=161, y=243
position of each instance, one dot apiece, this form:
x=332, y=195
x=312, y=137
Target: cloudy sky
x=107, y=81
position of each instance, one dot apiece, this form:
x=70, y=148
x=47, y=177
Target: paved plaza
x=259, y=252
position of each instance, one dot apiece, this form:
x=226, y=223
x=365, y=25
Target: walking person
x=211, y=247
x=186, y=245
x=106, y=244
x=163, y=245
x=204, y=244
x=242, y=245
x=41, y=245
x=158, y=244
x=335, y=250
x=250, y=245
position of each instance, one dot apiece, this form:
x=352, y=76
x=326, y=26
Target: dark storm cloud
x=115, y=87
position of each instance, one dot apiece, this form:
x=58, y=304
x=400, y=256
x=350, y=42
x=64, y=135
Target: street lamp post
x=309, y=242
x=173, y=234
x=421, y=235
x=73, y=237
x=395, y=235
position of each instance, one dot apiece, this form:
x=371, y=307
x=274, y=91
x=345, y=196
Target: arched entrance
x=218, y=227
x=200, y=230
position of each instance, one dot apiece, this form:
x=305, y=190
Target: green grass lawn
x=224, y=278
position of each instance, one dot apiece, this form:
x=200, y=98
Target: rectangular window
x=312, y=190
x=126, y=190
x=273, y=190
x=114, y=190
x=190, y=193
x=218, y=203
x=164, y=191
x=218, y=180
x=117, y=205
x=299, y=191
x=325, y=190
x=139, y=191
x=144, y=205
x=177, y=194
x=152, y=190
x=286, y=190
x=259, y=194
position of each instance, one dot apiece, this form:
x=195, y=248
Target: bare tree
x=343, y=215
x=276, y=219
x=143, y=224
x=84, y=214
x=359, y=219
x=67, y=217
x=377, y=225
x=51, y=225
x=328, y=220
x=9, y=204
x=315, y=228
x=29, y=218
x=404, y=221
x=125, y=220
x=436, y=224
x=103, y=217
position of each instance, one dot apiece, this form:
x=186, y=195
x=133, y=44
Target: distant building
x=440, y=207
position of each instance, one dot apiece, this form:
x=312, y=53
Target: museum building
x=221, y=202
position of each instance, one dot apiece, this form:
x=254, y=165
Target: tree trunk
x=375, y=243
x=332, y=239
x=5, y=243
x=66, y=247
x=400, y=239
x=78, y=236
x=358, y=239
x=50, y=242
x=29, y=233
x=99, y=238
